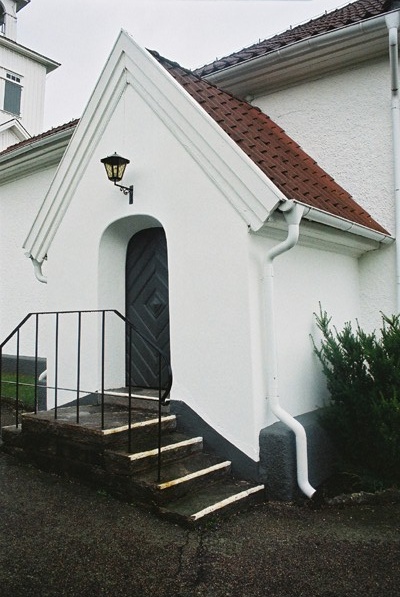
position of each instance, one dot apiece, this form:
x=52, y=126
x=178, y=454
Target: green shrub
x=363, y=379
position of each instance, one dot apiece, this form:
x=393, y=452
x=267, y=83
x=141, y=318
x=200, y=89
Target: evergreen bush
x=363, y=378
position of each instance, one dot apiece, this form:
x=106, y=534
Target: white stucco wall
x=206, y=238
x=343, y=121
x=20, y=292
x=304, y=280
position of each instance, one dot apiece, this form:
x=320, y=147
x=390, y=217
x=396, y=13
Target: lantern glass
x=115, y=167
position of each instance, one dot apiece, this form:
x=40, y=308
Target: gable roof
x=249, y=158
x=285, y=163
x=337, y=19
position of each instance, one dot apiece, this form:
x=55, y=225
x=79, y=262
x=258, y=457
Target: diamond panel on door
x=147, y=304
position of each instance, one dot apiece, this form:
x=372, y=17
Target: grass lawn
x=26, y=388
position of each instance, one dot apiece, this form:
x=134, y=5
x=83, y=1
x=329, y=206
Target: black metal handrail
x=163, y=389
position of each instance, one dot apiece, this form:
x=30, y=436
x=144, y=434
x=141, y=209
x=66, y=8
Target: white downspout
x=392, y=23
x=293, y=213
x=43, y=376
x=37, y=268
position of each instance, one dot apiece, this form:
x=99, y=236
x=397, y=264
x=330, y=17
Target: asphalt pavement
x=61, y=538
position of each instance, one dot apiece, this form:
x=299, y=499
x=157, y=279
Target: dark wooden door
x=147, y=305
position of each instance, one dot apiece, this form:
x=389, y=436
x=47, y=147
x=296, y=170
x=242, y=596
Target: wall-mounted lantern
x=115, y=167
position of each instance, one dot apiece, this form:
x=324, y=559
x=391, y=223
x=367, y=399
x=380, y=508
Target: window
x=12, y=94
x=13, y=77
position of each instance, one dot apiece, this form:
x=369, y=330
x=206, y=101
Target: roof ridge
x=173, y=64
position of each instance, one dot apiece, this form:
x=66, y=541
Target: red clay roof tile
x=69, y=125
x=285, y=163
x=341, y=17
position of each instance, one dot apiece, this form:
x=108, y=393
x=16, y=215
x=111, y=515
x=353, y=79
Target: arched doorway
x=147, y=305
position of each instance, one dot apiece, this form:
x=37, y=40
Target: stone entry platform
x=193, y=484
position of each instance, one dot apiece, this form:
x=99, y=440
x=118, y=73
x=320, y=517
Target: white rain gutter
x=292, y=213
x=37, y=268
x=322, y=217
x=392, y=22
x=295, y=50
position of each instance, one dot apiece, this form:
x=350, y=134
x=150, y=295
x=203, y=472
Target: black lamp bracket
x=126, y=191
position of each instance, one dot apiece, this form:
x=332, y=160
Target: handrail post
x=17, y=384
x=36, y=359
x=1, y=384
x=130, y=391
x=103, y=327
x=78, y=373
x=159, y=420
x=56, y=369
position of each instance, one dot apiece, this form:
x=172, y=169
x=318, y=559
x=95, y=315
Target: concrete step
x=221, y=498
x=193, y=484
x=88, y=430
x=183, y=476
x=141, y=398
x=175, y=446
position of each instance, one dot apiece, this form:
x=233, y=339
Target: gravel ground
x=59, y=538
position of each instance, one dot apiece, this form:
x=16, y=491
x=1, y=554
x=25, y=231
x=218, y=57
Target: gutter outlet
x=292, y=212
x=37, y=268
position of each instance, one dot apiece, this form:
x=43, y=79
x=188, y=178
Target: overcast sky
x=80, y=34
